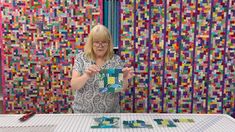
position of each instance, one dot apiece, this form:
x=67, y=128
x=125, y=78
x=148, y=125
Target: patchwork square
x=106, y=122
x=183, y=120
x=110, y=80
x=136, y=124
x=165, y=122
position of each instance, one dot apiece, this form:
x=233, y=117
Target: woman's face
x=100, y=47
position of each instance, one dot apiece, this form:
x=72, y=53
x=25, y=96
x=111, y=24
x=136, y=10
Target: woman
x=98, y=53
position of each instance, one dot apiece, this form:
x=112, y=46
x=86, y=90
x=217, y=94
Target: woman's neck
x=100, y=61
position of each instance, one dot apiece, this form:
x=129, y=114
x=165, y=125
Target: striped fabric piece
x=111, y=19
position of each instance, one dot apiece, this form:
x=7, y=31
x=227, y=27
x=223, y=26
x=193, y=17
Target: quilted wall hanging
x=39, y=40
x=183, y=53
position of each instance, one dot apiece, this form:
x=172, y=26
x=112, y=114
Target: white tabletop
x=83, y=122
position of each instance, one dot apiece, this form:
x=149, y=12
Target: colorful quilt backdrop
x=183, y=53
x=39, y=40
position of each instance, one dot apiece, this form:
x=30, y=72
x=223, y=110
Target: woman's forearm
x=125, y=84
x=79, y=82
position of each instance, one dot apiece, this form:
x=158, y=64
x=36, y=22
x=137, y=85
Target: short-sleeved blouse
x=88, y=99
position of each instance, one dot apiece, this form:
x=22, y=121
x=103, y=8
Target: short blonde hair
x=99, y=33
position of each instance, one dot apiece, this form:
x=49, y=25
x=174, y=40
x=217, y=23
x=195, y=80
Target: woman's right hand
x=91, y=71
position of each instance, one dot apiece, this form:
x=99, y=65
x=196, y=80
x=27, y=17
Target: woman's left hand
x=128, y=73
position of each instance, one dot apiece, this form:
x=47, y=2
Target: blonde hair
x=99, y=33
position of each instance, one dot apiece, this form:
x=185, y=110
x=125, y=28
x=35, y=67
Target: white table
x=83, y=122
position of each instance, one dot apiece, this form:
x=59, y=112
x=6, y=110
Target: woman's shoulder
x=80, y=54
x=117, y=61
x=82, y=57
x=115, y=57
